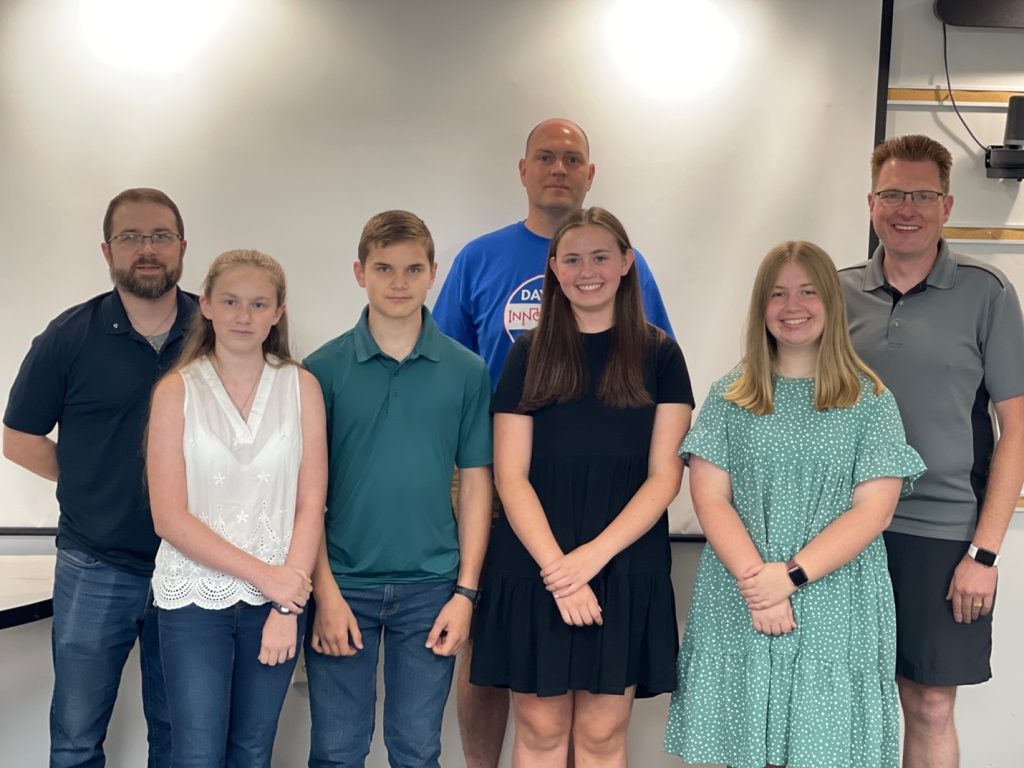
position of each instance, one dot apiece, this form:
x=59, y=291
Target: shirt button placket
x=393, y=394
x=895, y=328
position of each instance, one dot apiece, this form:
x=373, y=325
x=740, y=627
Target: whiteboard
x=302, y=119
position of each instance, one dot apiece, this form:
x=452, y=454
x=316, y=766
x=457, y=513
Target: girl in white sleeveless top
x=237, y=471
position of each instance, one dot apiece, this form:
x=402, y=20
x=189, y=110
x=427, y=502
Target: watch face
x=797, y=576
x=985, y=557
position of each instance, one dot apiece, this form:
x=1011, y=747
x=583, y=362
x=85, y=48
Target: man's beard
x=146, y=286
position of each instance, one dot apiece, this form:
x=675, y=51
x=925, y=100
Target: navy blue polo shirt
x=91, y=374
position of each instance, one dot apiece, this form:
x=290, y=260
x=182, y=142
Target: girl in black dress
x=578, y=615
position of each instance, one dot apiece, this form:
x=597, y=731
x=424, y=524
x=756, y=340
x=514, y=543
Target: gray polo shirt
x=945, y=349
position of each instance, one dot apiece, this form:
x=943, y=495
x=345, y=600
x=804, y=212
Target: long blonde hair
x=836, y=377
x=200, y=339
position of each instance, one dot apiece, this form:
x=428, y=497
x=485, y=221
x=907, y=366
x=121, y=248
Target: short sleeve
x=883, y=449
x=475, y=444
x=709, y=435
x=673, y=378
x=318, y=365
x=654, y=306
x=509, y=391
x=36, y=401
x=450, y=308
x=1003, y=345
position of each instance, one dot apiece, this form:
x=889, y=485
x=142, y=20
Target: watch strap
x=473, y=595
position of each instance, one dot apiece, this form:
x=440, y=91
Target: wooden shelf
x=993, y=234
x=962, y=96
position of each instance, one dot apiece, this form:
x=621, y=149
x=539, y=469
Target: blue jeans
x=343, y=689
x=224, y=703
x=98, y=614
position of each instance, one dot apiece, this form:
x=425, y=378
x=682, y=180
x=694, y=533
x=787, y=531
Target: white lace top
x=242, y=480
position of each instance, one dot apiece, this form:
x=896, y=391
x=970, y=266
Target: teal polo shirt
x=395, y=430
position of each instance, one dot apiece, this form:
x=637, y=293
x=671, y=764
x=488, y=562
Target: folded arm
x=870, y=513
x=566, y=574
x=280, y=634
x=513, y=446
x=711, y=490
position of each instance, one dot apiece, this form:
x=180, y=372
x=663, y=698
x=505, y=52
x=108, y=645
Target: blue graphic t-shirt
x=492, y=293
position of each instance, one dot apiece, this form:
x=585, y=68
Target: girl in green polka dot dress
x=797, y=461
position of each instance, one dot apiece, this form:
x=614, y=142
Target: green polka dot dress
x=824, y=695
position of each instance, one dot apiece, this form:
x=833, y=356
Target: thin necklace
x=252, y=390
x=152, y=334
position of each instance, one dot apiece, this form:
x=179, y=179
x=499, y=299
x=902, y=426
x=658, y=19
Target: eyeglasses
x=135, y=239
x=919, y=197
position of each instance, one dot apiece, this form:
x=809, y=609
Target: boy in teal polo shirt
x=405, y=404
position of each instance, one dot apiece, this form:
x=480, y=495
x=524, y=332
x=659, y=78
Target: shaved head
x=558, y=122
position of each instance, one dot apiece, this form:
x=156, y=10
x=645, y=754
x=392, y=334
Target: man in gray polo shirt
x=945, y=333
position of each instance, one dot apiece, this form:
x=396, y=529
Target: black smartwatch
x=985, y=557
x=796, y=574
x=473, y=595
x=281, y=609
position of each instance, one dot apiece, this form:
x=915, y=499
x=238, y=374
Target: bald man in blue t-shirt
x=490, y=296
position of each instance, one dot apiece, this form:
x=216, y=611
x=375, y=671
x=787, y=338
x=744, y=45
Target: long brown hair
x=200, y=339
x=555, y=369
x=836, y=380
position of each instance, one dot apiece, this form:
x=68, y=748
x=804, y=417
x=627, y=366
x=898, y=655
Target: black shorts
x=931, y=648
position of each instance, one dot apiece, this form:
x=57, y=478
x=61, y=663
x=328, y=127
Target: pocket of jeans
x=78, y=558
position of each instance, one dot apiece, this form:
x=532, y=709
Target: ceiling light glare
x=672, y=49
x=152, y=36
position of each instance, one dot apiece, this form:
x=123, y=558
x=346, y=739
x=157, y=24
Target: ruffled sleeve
x=883, y=449
x=709, y=436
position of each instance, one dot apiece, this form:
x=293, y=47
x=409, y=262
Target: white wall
x=302, y=119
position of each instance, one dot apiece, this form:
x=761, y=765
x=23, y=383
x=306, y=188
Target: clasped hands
x=287, y=586
x=290, y=588
x=567, y=579
x=766, y=588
